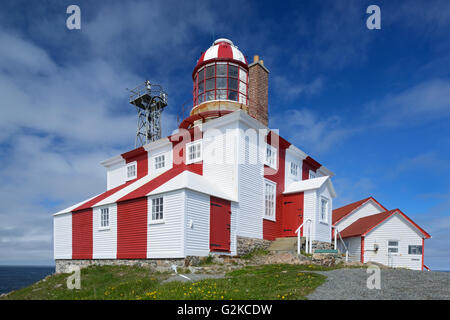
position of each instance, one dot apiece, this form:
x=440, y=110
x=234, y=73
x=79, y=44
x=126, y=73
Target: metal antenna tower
x=150, y=100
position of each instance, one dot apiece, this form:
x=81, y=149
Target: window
x=221, y=81
x=194, y=152
x=392, y=246
x=414, y=249
x=324, y=210
x=312, y=174
x=157, y=209
x=159, y=161
x=271, y=156
x=131, y=171
x=294, y=169
x=104, y=218
x=269, y=198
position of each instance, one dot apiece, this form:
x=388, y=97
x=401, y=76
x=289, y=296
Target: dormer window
x=194, y=152
x=271, y=159
x=294, y=169
x=131, y=171
x=159, y=161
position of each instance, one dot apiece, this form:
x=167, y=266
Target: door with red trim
x=220, y=225
x=292, y=213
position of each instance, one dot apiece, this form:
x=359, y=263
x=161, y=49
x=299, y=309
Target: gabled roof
x=310, y=184
x=363, y=226
x=195, y=182
x=340, y=213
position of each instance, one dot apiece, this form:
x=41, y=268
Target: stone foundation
x=320, y=245
x=156, y=265
x=246, y=245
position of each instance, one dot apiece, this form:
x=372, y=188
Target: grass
x=125, y=282
x=254, y=253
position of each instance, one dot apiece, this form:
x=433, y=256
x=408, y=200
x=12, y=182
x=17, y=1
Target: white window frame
x=293, y=163
x=198, y=157
x=272, y=162
x=154, y=205
x=104, y=226
x=272, y=216
x=312, y=174
x=156, y=163
x=390, y=246
x=327, y=204
x=131, y=164
x=415, y=245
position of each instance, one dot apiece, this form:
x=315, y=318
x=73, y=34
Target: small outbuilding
x=370, y=232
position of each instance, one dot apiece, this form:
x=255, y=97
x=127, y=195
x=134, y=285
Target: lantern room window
x=221, y=81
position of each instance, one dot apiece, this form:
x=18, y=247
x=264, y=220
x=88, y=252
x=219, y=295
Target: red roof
x=341, y=212
x=362, y=226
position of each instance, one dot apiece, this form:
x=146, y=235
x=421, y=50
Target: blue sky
x=371, y=105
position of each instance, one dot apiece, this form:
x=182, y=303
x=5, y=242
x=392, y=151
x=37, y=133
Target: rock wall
x=159, y=265
x=246, y=245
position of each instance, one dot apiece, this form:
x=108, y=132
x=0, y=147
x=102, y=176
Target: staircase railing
x=337, y=233
x=308, y=242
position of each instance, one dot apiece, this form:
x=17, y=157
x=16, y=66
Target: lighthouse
x=224, y=81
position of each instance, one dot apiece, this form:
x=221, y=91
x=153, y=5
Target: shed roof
x=340, y=213
x=363, y=226
x=310, y=184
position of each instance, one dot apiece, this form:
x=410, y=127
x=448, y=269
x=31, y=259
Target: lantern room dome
x=221, y=50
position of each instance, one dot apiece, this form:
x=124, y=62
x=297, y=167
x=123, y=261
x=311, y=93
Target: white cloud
x=421, y=103
x=311, y=132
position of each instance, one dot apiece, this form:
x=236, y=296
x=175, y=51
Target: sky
x=373, y=106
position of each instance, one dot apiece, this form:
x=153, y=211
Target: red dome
x=222, y=50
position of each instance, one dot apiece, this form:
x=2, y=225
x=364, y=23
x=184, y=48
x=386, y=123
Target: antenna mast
x=149, y=100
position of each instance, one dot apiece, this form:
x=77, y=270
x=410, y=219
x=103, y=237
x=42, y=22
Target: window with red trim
x=221, y=81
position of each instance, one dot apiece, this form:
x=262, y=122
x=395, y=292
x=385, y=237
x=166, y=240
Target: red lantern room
x=221, y=84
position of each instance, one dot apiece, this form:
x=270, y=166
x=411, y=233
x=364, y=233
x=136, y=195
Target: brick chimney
x=258, y=87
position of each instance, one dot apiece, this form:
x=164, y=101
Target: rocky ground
x=395, y=284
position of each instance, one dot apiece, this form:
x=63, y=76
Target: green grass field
x=123, y=282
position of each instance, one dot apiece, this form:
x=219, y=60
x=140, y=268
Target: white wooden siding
x=198, y=216
x=234, y=219
x=116, y=175
x=395, y=228
x=166, y=240
x=251, y=188
x=323, y=229
x=165, y=150
x=310, y=211
x=368, y=209
x=288, y=178
x=62, y=236
x=354, y=247
x=220, y=157
x=104, y=240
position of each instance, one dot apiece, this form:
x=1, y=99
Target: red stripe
x=132, y=229
x=82, y=245
x=273, y=229
x=362, y=249
x=423, y=251
x=102, y=196
x=140, y=156
x=225, y=51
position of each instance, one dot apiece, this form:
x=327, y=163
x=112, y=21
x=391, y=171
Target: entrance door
x=220, y=225
x=292, y=213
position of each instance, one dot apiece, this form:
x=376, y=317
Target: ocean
x=17, y=277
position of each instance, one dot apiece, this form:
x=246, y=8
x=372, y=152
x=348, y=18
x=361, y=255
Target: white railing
x=308, y=243
x=336, y=233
